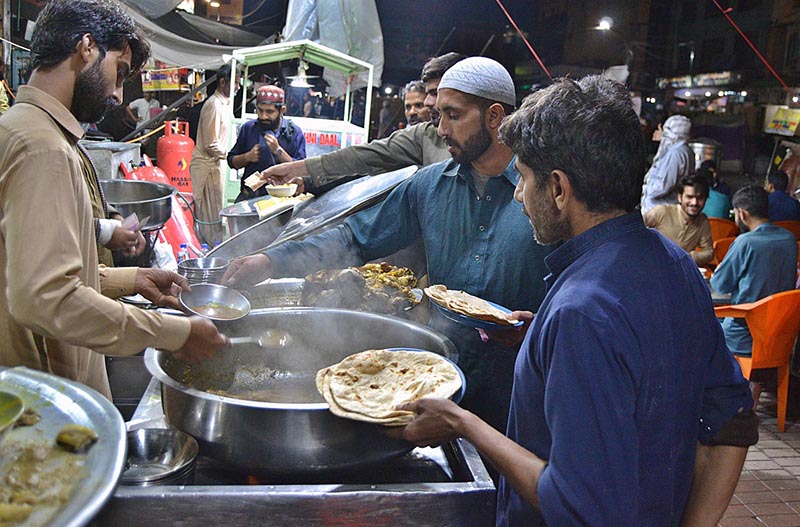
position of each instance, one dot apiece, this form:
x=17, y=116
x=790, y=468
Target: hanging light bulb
x=300, y=80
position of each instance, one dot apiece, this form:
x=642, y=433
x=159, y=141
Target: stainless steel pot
x=296, y=434
x=150, y=201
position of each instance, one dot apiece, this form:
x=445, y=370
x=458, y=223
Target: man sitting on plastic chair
x=760, y=262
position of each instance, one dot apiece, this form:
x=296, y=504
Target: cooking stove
x=443, y=486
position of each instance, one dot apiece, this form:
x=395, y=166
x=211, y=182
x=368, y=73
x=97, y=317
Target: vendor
x=266, y=141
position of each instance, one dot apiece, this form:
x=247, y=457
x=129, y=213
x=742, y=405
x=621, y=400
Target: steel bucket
x=150, y=201
x=295, y=435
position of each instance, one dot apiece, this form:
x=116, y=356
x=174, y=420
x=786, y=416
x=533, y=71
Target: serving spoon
x=271, y=338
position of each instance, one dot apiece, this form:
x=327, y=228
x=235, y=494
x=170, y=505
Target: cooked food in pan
x=375, y=287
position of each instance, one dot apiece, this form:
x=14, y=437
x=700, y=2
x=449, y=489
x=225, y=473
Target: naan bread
x=469, y=305
x=368, y=386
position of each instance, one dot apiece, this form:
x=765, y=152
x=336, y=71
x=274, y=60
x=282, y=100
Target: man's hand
x=131, y=243
x=509, y=337
x=246, y=271
x=203, y=342
x=286, y=173
x=438, y=421
x=272, y=142
x=160, y=287
x=253, y=155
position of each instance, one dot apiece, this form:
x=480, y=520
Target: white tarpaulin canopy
x=349, y=26
x=178, y=51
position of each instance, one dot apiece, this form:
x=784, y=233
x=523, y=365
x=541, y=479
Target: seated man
x=718, y=204
x=762, y=261
x=782, y=207
x=684, y=222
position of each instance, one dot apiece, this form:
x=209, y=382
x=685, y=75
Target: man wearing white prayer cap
x=673, y=161
x=476, y=237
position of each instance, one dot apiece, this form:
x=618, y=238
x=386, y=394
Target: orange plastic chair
x=774, y=322
x=721, y=228
x=721, y=247
x=791, y=226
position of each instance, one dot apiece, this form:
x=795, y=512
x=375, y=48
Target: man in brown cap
x=266, y=141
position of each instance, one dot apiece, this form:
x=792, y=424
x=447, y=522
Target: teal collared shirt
x=759, y=263
x=483, y=245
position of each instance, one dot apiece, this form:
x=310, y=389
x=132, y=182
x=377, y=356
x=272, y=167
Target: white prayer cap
x=483, y=77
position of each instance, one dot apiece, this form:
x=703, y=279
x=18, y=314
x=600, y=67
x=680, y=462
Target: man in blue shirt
x=475, y=236
x=266, y=141
x=760, y=262
x=615, y=414
x=718, y=204
x=782, y=207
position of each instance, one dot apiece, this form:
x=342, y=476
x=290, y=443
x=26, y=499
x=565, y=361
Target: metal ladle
x=271, y=338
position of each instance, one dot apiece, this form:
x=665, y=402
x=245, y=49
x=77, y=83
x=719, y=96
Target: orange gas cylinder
x=180, y=227
x=174, y=152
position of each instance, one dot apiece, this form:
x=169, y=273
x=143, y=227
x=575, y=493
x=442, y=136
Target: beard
x=743, y=228
x=474, y=147
x=89, y=100
x=269, y=124
x=414, y=119
x=548, y=228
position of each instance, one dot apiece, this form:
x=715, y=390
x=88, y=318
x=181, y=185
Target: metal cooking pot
x=150, y=201
x=296, y=434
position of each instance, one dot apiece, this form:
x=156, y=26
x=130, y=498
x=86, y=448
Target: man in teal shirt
x=718, y=205
x=475, y=235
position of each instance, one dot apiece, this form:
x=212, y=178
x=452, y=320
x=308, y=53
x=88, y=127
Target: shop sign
x=164, y=79
x=784, y=122
x=719, y=78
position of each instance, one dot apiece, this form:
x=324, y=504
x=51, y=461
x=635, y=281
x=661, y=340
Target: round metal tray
x=59, y=402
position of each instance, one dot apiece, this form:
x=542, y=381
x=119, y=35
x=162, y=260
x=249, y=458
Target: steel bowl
x=215, y=302
x=295, y=433
x=150, y=201
x=11, y=407
x=159, y=456
x=203, y=270
x=282, y=191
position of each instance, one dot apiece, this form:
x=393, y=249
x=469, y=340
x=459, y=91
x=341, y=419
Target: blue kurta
x=623, y=370
x=758, y=264
x=782, y=207
x=251, y=133
x=482, y=245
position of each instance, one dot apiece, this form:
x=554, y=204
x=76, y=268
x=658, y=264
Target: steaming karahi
x=378, y=288
x=468, y=305
x=368, y=386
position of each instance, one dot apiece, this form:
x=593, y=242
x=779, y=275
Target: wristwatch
x=278, y=152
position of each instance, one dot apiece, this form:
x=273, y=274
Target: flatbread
x=469, y=305
x=368, y=386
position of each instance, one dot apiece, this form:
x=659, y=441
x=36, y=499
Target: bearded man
x=266, y=141
x=475, y=236
x=53, y=316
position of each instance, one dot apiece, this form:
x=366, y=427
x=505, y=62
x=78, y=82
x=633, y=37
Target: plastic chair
x=791, y=226
x=721, y=247
x=774, y=322
x=721, y=228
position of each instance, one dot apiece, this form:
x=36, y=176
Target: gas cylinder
x=179, y=229
x=174, y=152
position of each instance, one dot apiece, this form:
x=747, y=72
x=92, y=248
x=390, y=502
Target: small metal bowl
x=282, y=191
x=215, y=302
x=160, y=456
x=11, y=408
x=203, y=270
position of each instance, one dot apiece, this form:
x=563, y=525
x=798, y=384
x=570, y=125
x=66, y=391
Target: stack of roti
x=368, y=386
x=469, y=305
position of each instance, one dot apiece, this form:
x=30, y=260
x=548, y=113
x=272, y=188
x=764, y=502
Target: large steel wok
x=295, y=434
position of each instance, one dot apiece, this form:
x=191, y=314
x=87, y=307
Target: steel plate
x=60, y=402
